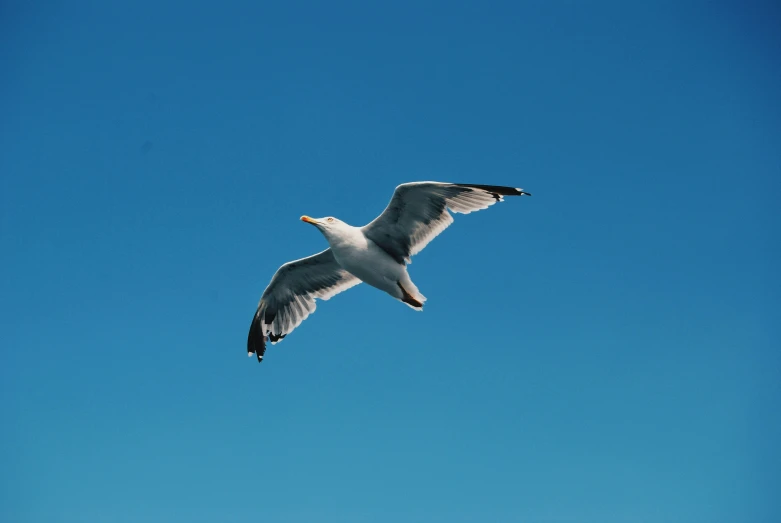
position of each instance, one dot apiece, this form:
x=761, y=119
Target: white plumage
x=377, y=254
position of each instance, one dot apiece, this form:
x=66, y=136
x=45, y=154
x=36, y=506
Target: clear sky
x=605, y=351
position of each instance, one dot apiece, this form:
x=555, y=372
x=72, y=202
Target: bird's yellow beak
x=307, y=219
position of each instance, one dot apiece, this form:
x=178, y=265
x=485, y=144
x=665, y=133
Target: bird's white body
x=368, y=262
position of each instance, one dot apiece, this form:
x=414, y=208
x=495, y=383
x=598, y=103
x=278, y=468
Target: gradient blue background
x=606, y=351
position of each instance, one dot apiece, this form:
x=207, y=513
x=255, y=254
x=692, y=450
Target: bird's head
x=328, y=225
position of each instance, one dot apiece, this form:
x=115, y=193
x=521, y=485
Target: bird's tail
x=411, y=295
x=415, y=291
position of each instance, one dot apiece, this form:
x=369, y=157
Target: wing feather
x=418, y=213
x=290, y=297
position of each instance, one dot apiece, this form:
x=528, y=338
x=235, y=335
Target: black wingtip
x=275, y=338
x=256, y=340
x=497, y=190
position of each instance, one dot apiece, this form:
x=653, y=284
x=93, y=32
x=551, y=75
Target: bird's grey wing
x=418, y=212
x=290, y=297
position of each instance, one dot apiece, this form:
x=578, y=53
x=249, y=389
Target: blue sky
x=606, y=351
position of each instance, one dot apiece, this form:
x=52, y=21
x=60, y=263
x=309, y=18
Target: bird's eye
x=330, y=220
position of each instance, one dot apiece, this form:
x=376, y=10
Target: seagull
x=377, y=254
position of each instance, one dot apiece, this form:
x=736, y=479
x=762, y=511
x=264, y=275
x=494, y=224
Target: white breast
x=364, y=259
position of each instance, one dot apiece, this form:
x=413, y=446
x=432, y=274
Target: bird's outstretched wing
x=290, y=297
x=418, y=212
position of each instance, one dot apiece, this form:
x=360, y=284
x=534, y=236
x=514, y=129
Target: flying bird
x=377, y=254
